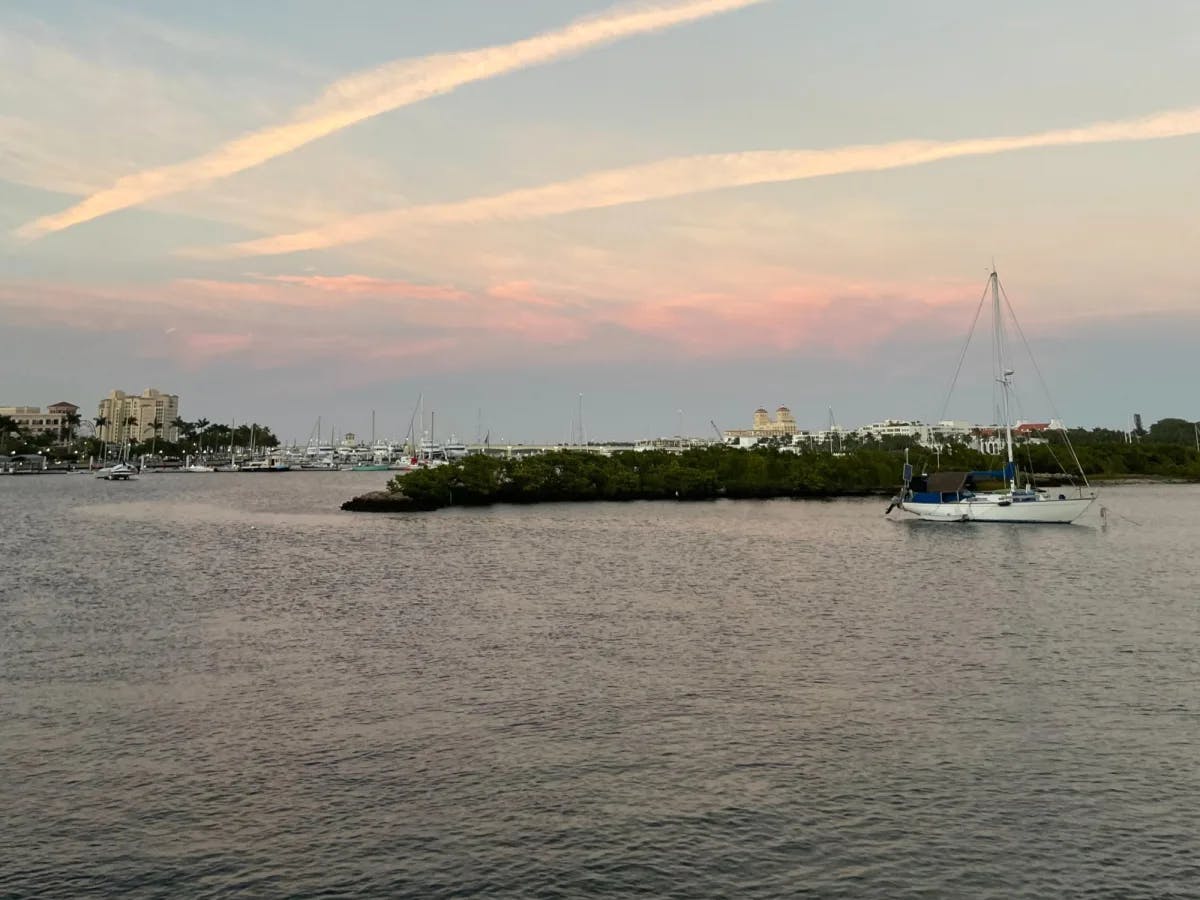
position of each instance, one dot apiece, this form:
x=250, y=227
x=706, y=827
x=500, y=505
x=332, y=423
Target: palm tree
x=185, y=429
x=99, y=424
x=219, y=435
x=9, y=427
x=71, y=421
x=201, y=426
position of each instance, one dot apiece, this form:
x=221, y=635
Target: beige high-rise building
x=131, y=417
x=783, y=424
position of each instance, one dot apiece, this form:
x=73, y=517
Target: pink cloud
x=354, y=320
x=201, y=346
x=219, y=294
x=524, y=292
x=848, y=318
x=358, y=285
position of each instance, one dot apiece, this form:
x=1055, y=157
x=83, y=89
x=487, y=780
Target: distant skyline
x=696, y=205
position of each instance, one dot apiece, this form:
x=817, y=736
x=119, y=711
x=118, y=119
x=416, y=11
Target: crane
x=720, y=434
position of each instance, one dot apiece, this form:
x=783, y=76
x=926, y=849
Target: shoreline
x=387, y=501
x=395, y=501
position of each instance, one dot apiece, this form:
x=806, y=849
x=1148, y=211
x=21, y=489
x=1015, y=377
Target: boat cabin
x=950, y=487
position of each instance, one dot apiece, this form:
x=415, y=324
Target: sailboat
x=196, y=466
x=953, y=497
x=120, y=471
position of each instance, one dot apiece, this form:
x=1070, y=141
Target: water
x=217, y=685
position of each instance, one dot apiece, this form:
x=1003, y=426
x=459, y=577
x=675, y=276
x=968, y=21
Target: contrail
x=374, y=91
x=693, y=174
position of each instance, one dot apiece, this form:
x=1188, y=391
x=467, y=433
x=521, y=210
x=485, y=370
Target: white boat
x=322, y=464
x=430, y=449
x=118, y=472
x=266, y=464
x=953, y=496
x=196, y=466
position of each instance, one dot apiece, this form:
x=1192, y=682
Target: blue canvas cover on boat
x=949, y=487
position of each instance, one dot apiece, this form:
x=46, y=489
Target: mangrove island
x=763, y=472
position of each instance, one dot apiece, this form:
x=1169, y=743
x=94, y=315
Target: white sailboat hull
x=1045, y=511
x=119, y=472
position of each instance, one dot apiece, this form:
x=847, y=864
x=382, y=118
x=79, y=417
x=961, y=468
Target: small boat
x=958, y=497
x=117, y=472
x=267, y=464
x=325, y=464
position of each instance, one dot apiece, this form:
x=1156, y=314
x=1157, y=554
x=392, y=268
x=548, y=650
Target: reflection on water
x=213, y=685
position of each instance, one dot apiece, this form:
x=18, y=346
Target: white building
x=892, y=428
x=133, y=417
x=33, y=421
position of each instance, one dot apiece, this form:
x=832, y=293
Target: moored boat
x=960, y=497
x=266, y=464
x=191, y=465
x=953, y=497
x=117, y=472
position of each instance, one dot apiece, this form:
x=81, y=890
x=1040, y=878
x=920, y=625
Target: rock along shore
x=395, y=502
x=380, y=501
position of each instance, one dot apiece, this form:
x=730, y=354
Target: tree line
x=198, y=437
x=760, y=472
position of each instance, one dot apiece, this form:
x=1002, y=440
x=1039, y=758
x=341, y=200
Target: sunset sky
x=680, y=209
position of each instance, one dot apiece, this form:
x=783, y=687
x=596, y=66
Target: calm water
x=217, y=685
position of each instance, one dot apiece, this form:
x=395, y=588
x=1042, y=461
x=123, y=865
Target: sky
x=664, y=214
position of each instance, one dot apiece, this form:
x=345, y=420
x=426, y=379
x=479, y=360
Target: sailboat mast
x=1005, y=376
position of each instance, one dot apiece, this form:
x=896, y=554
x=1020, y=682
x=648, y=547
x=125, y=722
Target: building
x=33, y=421
x=926, y=435
x=895, y=428
x=133, y=417
x=764, y=426
x=1036, y=432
